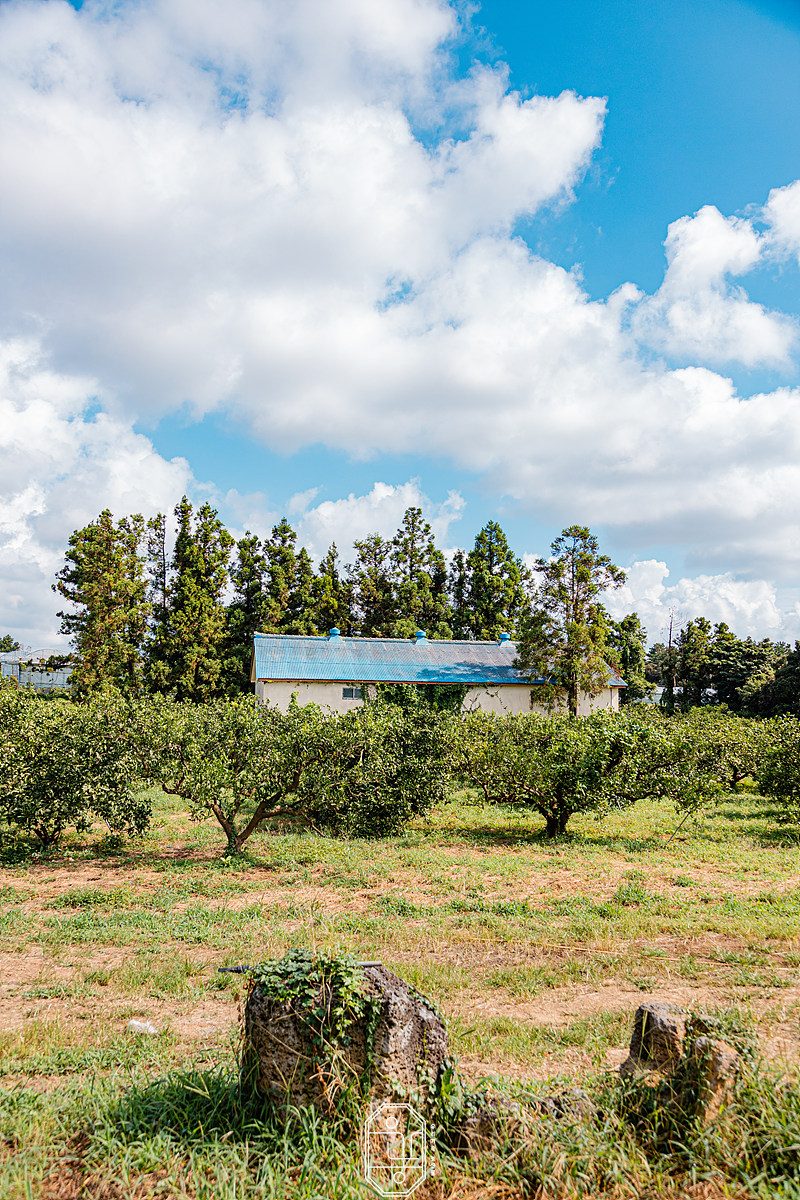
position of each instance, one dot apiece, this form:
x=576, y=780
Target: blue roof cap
x=296, y=657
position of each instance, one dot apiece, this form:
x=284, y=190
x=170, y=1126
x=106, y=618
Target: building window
x=352, y=693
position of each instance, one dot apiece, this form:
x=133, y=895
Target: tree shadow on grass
x=523, y=834
x=760, y=818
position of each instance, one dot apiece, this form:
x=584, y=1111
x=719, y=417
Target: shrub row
x=367, y=772
x=66, y=766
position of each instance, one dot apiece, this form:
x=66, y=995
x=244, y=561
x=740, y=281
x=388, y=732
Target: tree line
x=173, y=610
x=143, y=617
x=704, y=663
x=65, y=767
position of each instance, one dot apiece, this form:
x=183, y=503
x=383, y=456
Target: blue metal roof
x=278, y=656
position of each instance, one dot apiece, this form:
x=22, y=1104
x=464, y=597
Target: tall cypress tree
x=156, y=641
x=281, y=572
x=248, y=611
x=370, y=577
x=458, y=587
x=332, y=596
x=420, y=579
x=194, y=643
x=628, y=645
x=103, y=577
x=695, y=662
x=565, y=636
x=496, y=577
x=300, y=613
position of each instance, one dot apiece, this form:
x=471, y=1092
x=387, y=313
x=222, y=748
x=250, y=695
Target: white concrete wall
x=326, y=695
x=608, y=698
x=520, y=698
x=508, y=698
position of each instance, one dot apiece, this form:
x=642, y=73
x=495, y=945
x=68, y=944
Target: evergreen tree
x=740, y=667
x=774, y=688
x=457, y=588
x=300, y=614
x=103, y=579
x=420, y=579
x=370, y=577
x=694, y=663
x=496, y=578
x=7, y=644
x=247, y=613
x=628, y=646
x=331, y=596
x=785, y=692
x=155, y=647
x=194, y=644
x=726, y=674
x=565, y=637
x=281, y=572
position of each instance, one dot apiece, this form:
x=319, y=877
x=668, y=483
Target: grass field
x=538, y=953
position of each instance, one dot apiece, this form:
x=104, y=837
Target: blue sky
x=424, y=249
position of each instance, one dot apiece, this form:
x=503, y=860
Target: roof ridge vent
x=334, y=632
x=421, y=635
x=505, y=637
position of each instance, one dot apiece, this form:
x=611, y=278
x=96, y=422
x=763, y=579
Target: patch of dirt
x=559, y=1007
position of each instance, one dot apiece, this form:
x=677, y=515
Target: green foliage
x=559, y=766
x=8, y=644
x=705, y=666
x=187, y=657
x=332, y=600
x=728, y=747
x=376, y=767
x=371, y=583
x=104, y=582
x=779, y=771
x=364, y=773
x=65, y=765
x=495, y=600
x=627, y=642
x=443, y=697
x=565, y=637
x=300, y=617
x=247, y=613
x=237, y=760
x=457, y=585
x=420, y=577
x=775, y=690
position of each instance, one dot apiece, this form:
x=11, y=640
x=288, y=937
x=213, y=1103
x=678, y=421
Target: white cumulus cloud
x=61, y=461
x=378, y=511
x=698, y=313
x=782, y=214
x=750, y=606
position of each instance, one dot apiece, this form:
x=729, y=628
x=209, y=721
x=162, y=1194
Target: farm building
x=336, y=672
x=42, y=670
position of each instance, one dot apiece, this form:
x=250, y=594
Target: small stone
x=142, y=1027
x=659, y=1031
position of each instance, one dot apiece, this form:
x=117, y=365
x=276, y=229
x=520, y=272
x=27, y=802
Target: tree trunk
x=556, y=823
